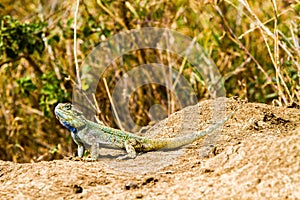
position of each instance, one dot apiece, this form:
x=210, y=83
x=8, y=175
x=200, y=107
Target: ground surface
x=256, y=155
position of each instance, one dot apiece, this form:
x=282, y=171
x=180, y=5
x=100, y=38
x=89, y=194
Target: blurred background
x=255, y=45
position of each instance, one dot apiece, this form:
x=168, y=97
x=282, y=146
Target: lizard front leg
x=94, y=152
x=129, y=146
x=80, y=150
x=80, y=146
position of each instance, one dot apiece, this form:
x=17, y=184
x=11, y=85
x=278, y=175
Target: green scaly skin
x=87, y=134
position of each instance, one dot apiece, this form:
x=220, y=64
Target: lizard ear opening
x=78, y=113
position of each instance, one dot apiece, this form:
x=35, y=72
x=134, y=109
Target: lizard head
x=69, y=117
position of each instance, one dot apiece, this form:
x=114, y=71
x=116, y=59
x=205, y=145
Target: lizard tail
x=173, y=143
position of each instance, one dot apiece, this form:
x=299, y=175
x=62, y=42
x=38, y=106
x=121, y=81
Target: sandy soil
x=256, y=155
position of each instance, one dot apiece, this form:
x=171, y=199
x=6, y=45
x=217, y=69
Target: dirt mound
x=256, y=155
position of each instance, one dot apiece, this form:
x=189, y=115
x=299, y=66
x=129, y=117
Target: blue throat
x=68, y=126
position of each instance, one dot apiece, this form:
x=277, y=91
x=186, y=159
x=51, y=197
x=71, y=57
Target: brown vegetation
x=255, y=46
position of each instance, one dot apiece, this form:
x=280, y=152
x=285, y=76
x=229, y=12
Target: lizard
x=89, y=135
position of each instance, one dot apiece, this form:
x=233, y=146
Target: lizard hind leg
x=129, y=146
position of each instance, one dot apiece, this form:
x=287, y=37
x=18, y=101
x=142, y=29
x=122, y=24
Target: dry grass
x=254, y=44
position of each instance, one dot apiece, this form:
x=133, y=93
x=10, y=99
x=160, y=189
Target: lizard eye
x=68, y=106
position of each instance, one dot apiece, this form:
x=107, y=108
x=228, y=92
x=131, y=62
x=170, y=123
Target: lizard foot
x=73, y=158
x=127, y=156
x=88, y=159
x=122, y=158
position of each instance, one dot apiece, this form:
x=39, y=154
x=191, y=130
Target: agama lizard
x=88, y=134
